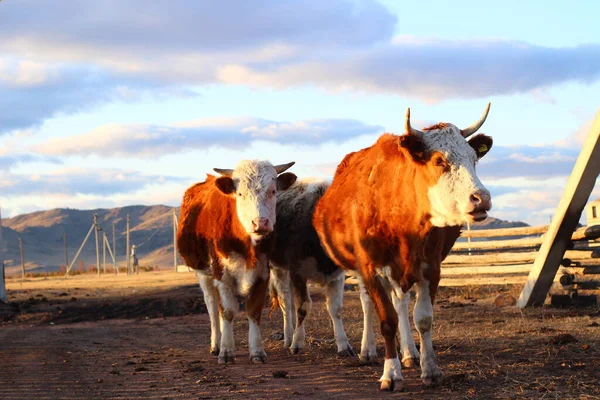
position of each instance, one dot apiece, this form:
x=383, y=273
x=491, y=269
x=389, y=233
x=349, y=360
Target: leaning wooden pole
x=558, y=237
x=80, y=248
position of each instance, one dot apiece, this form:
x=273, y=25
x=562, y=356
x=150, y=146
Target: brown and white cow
x=394, y=210
x=299, y=257
x=226, y=233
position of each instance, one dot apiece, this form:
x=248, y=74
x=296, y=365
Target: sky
x=113, y=103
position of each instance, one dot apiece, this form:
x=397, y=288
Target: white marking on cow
x=335, y=298
x=423, y=316
x=450, y=196
x=256, y=188
x=212, y=304
x=255, y=345
x=392, y=370
x=408, y=349
x=368, y=349
x=229, y=309
x=236, y=268
x=299, y=338
x=280, y=279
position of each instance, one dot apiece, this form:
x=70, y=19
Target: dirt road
x=148, y=338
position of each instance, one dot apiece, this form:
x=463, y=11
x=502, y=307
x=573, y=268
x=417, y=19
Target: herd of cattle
x=390, y=216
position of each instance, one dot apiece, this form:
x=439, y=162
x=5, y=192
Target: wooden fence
x=505, y=256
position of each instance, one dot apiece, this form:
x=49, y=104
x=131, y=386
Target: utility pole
x=97, y=249
x=22, y=259
x=66, y=249
x=127, y=250
x=104, y=252
x=174, y=240
x=114, y=251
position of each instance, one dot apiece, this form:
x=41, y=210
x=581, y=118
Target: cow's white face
x=458, y=196
x=254, y=184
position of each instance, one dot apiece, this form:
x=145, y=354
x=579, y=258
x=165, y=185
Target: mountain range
x=151, y=231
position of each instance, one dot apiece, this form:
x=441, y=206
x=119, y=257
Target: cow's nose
x=481, y=200
x=260, y=224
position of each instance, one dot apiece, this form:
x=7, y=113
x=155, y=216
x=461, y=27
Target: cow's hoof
x=368, y=360
x=391, y=385
x=287, y=343
x=214, y=351
x=296, y=350
x=347, y=352
x=433, y=379
x=226, y=357
x=259, y=357
x=410, y=362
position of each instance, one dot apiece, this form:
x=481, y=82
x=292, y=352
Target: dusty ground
x=148, y=336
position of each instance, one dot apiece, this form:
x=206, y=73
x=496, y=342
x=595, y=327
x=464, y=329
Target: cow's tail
x=274, y=297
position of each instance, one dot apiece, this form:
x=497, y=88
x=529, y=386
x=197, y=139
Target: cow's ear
x=225, y=184
x=285, y=180
x=481, y=144
x=415, y=146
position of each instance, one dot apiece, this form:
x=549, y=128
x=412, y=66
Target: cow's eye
x=239, y=194
x=274, y=191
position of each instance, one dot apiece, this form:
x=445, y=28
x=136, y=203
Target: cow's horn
x=282, y=167
x=473, y=128
x=223, y=172
x=410, y=129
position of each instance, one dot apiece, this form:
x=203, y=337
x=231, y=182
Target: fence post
x=3, y=297
x=114, y=251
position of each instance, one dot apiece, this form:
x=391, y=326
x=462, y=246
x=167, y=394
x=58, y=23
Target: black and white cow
x=298, y=257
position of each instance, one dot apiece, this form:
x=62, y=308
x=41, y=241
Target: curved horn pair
x=278, y=168
x=464, y=132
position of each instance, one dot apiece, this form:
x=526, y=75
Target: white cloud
x=113, y=50
x=235, y=133
x=78, y=181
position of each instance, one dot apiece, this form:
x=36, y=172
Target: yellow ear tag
x=483, y=148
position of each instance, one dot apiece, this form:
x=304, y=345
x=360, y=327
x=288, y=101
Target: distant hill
x=151, y=230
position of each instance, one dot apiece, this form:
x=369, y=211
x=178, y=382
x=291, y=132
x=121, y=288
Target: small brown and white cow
x=226, y=233
x=395, y=210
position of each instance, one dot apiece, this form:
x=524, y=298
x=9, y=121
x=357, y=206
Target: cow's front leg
x=211, y=299
x=423, y=316
x=280, y=279
x=410, y=354
x=227, y=312
x=255, y=302
x=368, y=349
x=335, y=298
x=303, y=305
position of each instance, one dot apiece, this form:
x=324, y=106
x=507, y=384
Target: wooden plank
x=504, y=269
x=521, y=231
x=508, y=258
x=586, y=233
x=558, y=237
x=498, y=244
x=581, y=270
x=509, y=280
